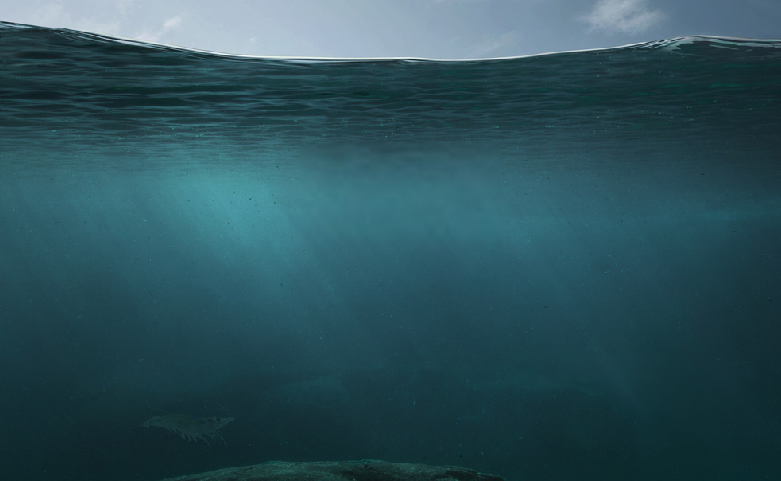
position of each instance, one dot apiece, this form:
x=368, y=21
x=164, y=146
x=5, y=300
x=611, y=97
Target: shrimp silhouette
x=190, y=428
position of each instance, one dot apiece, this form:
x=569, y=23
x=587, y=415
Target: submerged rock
x=366, y=470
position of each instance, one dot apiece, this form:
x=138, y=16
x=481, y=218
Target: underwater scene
x=556, y=267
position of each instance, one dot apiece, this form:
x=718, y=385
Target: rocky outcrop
x=366, y=470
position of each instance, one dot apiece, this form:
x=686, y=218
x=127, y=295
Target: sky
x=443, y=29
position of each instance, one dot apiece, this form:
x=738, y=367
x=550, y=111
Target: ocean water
x=557, y=267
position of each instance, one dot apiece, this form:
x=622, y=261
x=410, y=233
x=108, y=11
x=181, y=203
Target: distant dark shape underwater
x=204, y=429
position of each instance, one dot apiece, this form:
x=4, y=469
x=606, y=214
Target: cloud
x=172, y=22
x=625, y=16
x=154, y=37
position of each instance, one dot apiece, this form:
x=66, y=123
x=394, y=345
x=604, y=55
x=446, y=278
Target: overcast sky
x=401, y=28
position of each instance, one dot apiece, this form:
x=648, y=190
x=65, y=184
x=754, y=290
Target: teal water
x=557, y=267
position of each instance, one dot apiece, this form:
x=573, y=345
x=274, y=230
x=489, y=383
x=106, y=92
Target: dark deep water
x=562, y=267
